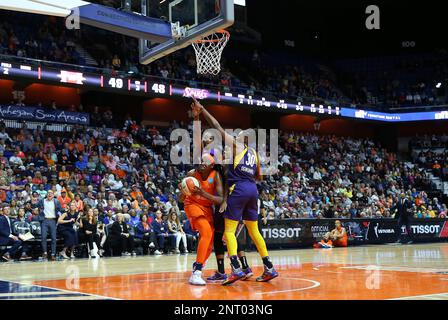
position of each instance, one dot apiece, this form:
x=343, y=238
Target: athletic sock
x=234, y=262
x=220, y=265
x=197, y=266
x=267, y=262
x=243, y=261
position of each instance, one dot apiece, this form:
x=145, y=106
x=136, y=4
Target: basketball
x=188, y=185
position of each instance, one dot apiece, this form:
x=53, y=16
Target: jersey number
x=250, y=160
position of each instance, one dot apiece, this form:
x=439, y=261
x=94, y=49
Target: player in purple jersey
x=218, y=218
x=241, y=201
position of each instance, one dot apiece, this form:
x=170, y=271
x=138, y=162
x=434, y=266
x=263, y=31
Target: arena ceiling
x=337, y=28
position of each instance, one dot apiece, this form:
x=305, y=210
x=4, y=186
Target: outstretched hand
x=196, y=107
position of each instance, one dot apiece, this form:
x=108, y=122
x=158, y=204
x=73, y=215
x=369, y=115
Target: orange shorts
x=340, y=243
x=194, y=211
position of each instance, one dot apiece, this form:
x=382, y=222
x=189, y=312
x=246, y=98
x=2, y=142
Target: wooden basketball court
x=417, y=271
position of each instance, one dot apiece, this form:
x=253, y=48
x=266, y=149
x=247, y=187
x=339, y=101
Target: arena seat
x=21, y=227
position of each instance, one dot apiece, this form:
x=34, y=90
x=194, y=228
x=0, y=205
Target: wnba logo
x=188, y=150
x=373, y=278
x=72, y=280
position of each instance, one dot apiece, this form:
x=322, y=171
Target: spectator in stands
x=81, y=164
x=125, y=200
x=116, y=62
x=160, y=228
x=121, y=241
x=66, y=226
x=109, y=218
x=89, y=226
x=146, y=234
x=35, y=215
x=63, y=174
x=90, y=200
x=15, y=160
x=64, y=199
x=135, y=192
x=7, y=237
x=79, y=203
x=4, y=136
x=49, y=211
x=21, y=216
x=443, y=211
x=175, y=228
x=114, y=184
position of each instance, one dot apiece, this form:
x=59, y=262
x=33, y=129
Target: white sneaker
x=186, y=251
x=177, y=251
x=157, y=252
x=64, y=255
x=126, y=254
x=196, y=279
x=151, y=245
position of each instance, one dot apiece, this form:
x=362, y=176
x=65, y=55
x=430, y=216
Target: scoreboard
x=157, y=87
x=152, y=88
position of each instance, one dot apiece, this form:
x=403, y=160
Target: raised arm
x=197, y=137
x=199, y=108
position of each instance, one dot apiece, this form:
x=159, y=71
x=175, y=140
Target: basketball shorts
x=242, y=202
x=195, y=211
x=340, y=243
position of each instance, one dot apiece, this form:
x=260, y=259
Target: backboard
x=198, y=17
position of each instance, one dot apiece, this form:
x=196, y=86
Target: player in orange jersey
x=339, y=235
x=335, y=238
x=199, y=209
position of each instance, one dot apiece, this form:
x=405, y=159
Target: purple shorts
x=242, y=202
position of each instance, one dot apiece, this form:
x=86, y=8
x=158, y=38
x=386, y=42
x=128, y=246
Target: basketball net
x=208, y=52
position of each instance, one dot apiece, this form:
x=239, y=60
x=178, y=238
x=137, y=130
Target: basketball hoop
x=208, y=52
